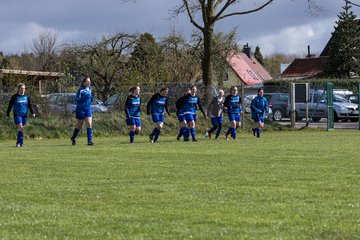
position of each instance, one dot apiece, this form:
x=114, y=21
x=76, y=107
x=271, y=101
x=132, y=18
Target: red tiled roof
x=250, y=71
x=305, y=67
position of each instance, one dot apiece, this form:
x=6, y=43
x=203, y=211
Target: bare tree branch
x=191, y=16
x=245, y=12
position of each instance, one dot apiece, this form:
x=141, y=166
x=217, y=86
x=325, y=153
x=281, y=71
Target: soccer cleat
x=151, y=139
x=194, y=140
x=178, y=138
x=90, y=144
x=18, y=145
x=206, y=135
x=22, y=145
x=186, y=140
x=227, y=137
x=73, y=141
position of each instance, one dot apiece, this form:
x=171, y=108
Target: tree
x=211, y=11
x=180, y=58
x=104, y=61
x=344, y=46
x=146, y=59
x=258, y=56
x=45, y=50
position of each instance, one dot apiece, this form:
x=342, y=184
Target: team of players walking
x=186, y=108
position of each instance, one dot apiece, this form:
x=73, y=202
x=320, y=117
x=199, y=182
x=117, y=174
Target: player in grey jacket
x=215, y=109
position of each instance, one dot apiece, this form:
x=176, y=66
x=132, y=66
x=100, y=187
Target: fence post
x=292, y=105
x=359, y=103
x=330, y=110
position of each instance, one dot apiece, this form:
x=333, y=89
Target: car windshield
x=338, y=98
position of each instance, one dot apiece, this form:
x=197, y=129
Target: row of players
x=186, y=108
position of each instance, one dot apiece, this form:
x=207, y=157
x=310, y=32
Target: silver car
x=343, y=109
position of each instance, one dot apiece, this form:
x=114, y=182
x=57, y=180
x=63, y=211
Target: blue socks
x=181, y=132
x=76, y=132
x=256, y=131
x=193, y=133
x=232, y=132
x=186, y=134
x=20, y=138
x=132, y=134
x=89, y=134
x=218, y=132
x=157, y=134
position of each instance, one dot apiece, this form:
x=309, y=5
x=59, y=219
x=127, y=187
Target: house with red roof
x=245, y=69
x=305, y=68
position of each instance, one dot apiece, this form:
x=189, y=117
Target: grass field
x=285, y=185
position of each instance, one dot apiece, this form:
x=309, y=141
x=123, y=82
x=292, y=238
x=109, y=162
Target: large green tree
x=146, y=60
x=344, y=46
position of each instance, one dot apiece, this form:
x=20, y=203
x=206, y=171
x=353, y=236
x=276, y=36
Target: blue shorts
x=190, y=117
x=216, y=120
x=234, y=117
x=258, y=118
x=158, y=118
x=133, y=121
x=20, y=120
x=181, y=118
x=81, y=114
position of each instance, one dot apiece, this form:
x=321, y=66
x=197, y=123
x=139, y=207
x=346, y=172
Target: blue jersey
x=157, y=104
x=132, y=106
x=191, y=104
x=19, y=104
x=83, y=97
x=233, y=104
x=259, y=105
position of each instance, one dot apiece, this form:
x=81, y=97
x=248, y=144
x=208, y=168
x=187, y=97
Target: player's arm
x=253, y=107
x=148, y=105
x=11, y=104
x=127, y=103
x=201, y=107
x=226, y=102
x=167, y=106
x=30, y=105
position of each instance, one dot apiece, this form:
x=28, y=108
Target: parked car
x=342, y=92
x=116, y=101
x=343, y=109
x=278, y=102
x=352, y=98
x=67, y=102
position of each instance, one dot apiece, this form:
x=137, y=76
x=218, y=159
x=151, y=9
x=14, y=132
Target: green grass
x=285, y=185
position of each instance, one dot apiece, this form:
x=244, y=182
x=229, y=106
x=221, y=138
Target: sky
x=285, y=26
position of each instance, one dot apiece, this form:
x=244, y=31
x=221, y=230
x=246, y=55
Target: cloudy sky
x=286, y=26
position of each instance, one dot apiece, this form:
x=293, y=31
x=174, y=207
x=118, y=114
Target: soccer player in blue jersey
x=180, y=115
x=157, y=105
x=83, y=111
x=216, y=111
x=190, y=103
x=20, y=103
x=132, y=111
x=233, y=105
x=259, y=106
